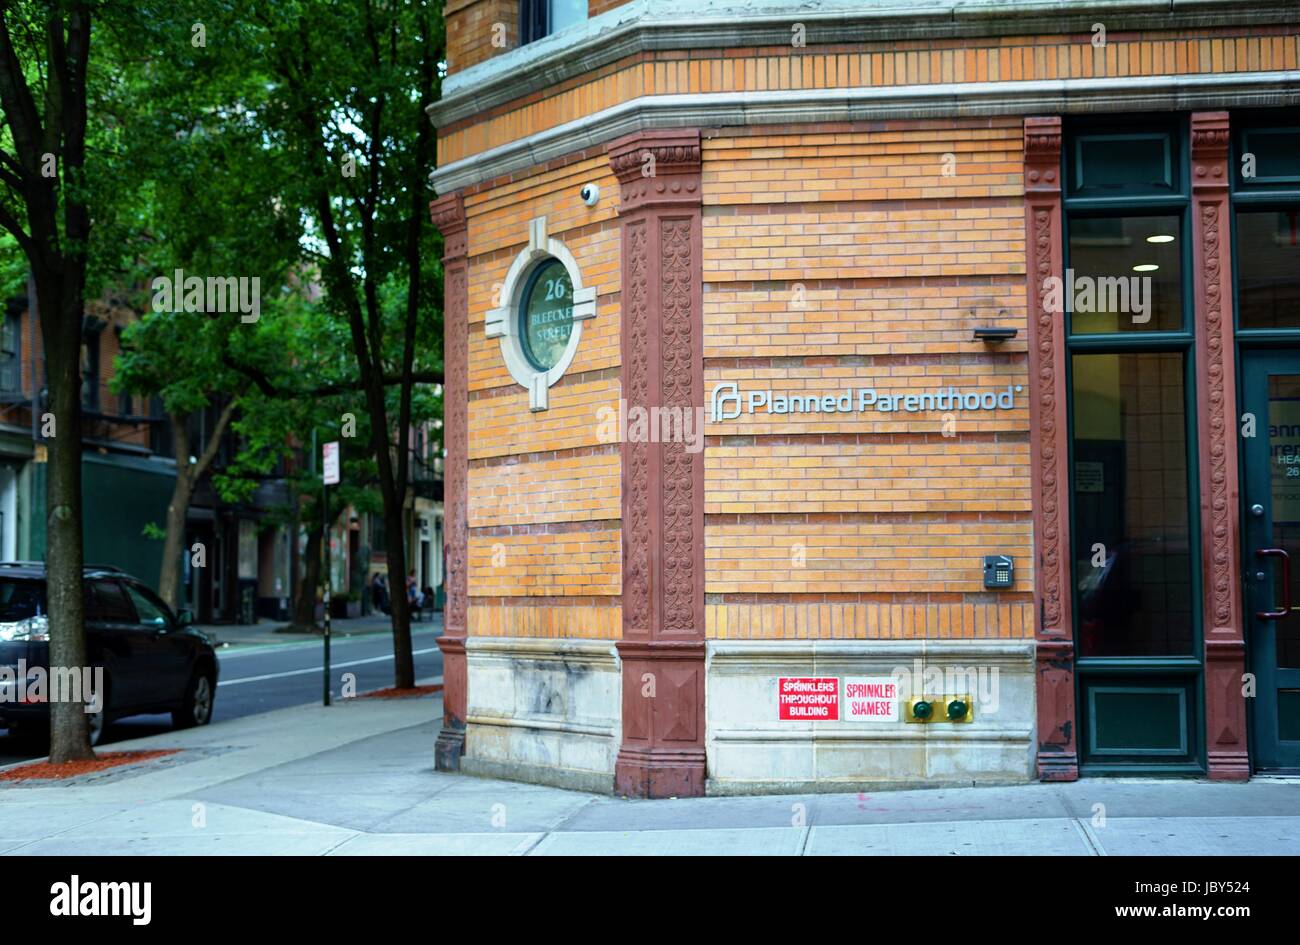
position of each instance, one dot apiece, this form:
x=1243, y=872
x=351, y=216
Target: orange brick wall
x=567, y=488
x=846, y=555
x=870, y=621
x=835, y=257
x=470, y=33
x=911, y=62
x=544, y=487
x=913, y=474
x=838, y=259
x=575, y=563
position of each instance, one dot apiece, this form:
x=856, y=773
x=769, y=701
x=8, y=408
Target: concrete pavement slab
x=614, y=814
x=1038, y=837
x=32, y=820
x=759, y=841
x=1151, y=797
x=455, y=844
x=1200, y=836
x=189, y=826
x=266, y=844
x=472, y=805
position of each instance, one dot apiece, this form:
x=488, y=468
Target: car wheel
x=196, y=707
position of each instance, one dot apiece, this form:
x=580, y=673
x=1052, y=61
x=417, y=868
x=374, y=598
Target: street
x=259, y=677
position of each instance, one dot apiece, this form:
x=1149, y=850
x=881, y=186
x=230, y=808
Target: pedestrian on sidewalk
x=379, y=591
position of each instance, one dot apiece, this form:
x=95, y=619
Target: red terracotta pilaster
x=1225, y=646
x=1058, y=756
x=448, y=213
x=662, y=649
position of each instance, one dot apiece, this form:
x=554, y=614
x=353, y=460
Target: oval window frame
x=505, y=322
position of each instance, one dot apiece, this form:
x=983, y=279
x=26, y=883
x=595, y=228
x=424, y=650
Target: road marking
x=317, y=669
x=226, y=651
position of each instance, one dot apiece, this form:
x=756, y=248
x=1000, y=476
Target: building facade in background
x=252, y=560
x=870, y=394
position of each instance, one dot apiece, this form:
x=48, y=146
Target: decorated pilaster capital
x=1210, y=151
x=1043, y=154
x=448, y=215
x=657, y=168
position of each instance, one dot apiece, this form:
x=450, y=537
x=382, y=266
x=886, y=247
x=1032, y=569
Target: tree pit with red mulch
x=394, y=693
x=48, y=771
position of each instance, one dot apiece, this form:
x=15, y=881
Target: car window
x=107, y=603
x=152, y=611
x=20, y=600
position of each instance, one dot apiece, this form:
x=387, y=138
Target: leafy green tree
x=276, y=428
x=207, y=202
x=347, y=85
x=45, y=205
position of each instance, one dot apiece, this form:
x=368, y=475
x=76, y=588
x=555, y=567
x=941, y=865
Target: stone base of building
x=545, y=711
x=570, y=779
x=751, y=752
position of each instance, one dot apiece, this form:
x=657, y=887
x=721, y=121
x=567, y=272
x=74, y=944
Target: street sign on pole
x=331, y=470
x=332, y=463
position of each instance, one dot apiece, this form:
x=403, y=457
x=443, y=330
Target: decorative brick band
x=1058, y=757
x=662, y=650
x=448, y=215
x=1225, y=647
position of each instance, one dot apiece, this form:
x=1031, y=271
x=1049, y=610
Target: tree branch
x=214, y=440
x=269, y=388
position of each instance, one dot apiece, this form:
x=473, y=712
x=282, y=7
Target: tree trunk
x=304, y=603
x=174, y=542
x=403, y=663
x=54, y=240
x=177, y=512
x=69, y=734
x=187, y=474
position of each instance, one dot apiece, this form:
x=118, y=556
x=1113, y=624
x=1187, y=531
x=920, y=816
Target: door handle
x=1285, y=609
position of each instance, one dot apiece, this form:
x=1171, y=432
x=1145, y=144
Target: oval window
x=546, y=314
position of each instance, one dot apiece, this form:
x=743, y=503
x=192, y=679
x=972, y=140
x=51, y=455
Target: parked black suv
x=152, y=660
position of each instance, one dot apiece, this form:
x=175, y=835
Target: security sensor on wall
x=590, y=194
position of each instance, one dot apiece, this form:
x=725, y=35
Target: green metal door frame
x=1269, y=751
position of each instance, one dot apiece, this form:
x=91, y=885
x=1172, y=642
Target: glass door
x=1271, y=536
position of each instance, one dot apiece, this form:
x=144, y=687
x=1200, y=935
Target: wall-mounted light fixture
x=993, y=335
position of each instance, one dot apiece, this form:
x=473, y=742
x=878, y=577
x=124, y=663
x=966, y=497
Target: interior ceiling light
x=1146, y=267
x=1160, y=238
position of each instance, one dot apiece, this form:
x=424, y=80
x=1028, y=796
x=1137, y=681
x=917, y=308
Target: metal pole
x=325, y=516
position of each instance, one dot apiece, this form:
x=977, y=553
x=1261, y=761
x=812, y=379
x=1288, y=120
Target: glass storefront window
x=1128, y=163
x=1133, y=565
x=1124, y=274
x=1268, y=268
x=546, y=314
x=1284, y=490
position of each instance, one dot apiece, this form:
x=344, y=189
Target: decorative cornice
x=1210, y=151
x=656, y=168
x=657, y=25
x=672, y=152
x=941, y=100
x=448, y=215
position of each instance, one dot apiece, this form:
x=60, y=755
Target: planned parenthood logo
x=728, y=401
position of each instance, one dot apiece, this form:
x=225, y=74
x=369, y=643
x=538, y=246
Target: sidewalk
x=264, y=631
x=358, y=778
